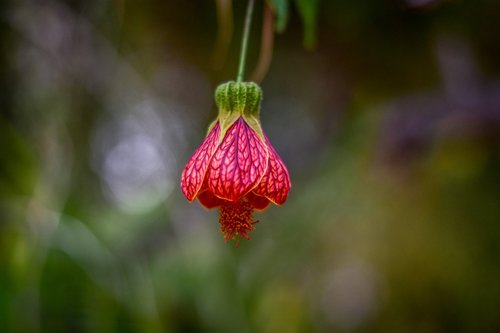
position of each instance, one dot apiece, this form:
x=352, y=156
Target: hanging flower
x=236, y=168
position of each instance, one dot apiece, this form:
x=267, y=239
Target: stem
x=244, y=43
x=266, y=46
x=224, y=32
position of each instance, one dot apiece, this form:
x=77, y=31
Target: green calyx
x=239, y=99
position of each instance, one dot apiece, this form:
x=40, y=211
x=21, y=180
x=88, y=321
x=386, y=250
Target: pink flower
x=236, y=168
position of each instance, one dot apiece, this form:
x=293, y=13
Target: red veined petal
x=275, y=184
x=209, y=200
x=238, y=164
x=195, y=170
x=258, y=202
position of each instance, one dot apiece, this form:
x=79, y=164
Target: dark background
x=387, y=114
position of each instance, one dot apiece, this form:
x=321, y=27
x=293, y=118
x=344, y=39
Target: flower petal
x=258, y=202
x=195, y=170
x=209, y=200
x=275, y=184
x=238, y=164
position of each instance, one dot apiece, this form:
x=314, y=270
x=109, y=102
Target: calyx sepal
x=239, y=99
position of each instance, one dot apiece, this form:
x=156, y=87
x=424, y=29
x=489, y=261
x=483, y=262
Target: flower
x=236, y=168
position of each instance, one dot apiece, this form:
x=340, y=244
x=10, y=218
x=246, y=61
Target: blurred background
x=387, y=114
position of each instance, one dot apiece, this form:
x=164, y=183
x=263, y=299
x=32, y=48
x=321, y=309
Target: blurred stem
x=266, y=49
x=244, y=42
x=224, y=31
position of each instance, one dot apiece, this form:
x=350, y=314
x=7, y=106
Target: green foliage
x=281, y=10
x=17, y=163
x=308, y=11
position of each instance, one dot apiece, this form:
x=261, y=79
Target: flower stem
x=244, y=43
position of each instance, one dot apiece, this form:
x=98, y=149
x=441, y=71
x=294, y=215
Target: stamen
x=236, y=220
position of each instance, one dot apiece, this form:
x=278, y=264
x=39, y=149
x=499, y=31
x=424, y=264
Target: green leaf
x=308, y=10
x=281, y=10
